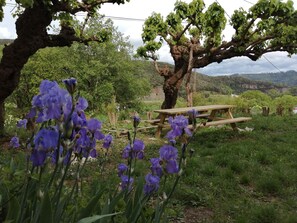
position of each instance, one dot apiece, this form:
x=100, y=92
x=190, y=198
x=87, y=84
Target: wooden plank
x=157, y=121
x=205, y=108
x=226, y=121
x=202, y=115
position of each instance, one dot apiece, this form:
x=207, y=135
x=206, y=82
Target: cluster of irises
x=64, y=128
x=167, y=163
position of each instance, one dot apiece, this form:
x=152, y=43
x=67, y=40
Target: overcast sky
x=141, y=9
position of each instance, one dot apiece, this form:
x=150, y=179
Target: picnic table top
x=203, y=108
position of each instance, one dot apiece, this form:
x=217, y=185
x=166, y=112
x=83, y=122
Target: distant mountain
x=288, y=78
x=219, y=84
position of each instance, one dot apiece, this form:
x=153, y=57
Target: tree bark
x=32, y=34
x=172, y=85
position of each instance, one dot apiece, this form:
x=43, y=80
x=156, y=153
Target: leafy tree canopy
x=92, y=65
x=194, y=35
x=270, y=25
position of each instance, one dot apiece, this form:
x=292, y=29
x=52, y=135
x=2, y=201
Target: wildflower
x=14, y=142
x=94, y=127
x=136, y=121
x=122, y=168
x=93, y=153
x=46, y=139
x=152, y=184
x=126, y=182
x=38, y=157
x=50, y=101
x=107, y=141
x=85, y=143
x=179, y=126
x=79, y=119
x=169, y=154
x=81, y=104
x=172, y=166
x=22, y=123
x=137, y=150
x=156, y=167
x=70, y=85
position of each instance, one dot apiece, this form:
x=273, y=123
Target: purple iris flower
x=51, y=101
x=136, y=152
x=136, y=121
x=46, y=139
x=126, y=152
x=81, y=104
x=70, y=84
x=179, y=125
x=94, y=127
x=32, y=113
x=22, y=123
x=93, y=153
x=171, y=166
x=151, y=184
x=85, y=142
x=156, y=166
x=79, y=119
x=94, y=124
x=38, y=157
x=47, y=85
x=107, y=141
x=138, y=148
x=14, y=142
x=122, y=168
x=126, y=182
x=169, y=154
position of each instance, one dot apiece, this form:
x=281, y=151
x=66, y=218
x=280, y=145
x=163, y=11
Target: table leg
x=233, y=125
x=229, y=113
x=212, y=116
x=160, y=126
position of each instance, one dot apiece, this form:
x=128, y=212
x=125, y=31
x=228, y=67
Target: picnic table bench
x=215, y=115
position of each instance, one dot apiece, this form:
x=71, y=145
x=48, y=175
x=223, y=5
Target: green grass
x=245, y=177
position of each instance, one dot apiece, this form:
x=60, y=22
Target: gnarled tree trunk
x=31, y=28
x=31, y=31
x=172, y=85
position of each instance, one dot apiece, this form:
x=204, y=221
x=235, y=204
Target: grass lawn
x=241, y=177
x=231, y=177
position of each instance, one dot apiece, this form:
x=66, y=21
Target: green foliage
x=255, y=98
x=286, y=101
x=94, y=67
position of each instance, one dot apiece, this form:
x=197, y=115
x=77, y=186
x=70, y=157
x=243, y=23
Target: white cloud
x=4, y=33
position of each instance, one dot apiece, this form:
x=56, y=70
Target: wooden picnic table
x=215, y=115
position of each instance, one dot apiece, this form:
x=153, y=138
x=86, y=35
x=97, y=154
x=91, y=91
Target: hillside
x=220, y=84
x=288, y=78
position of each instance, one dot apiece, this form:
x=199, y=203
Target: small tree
x=194, y=36
x=287, y=102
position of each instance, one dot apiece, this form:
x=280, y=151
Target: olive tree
x=33, y=19
x=194, y=36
